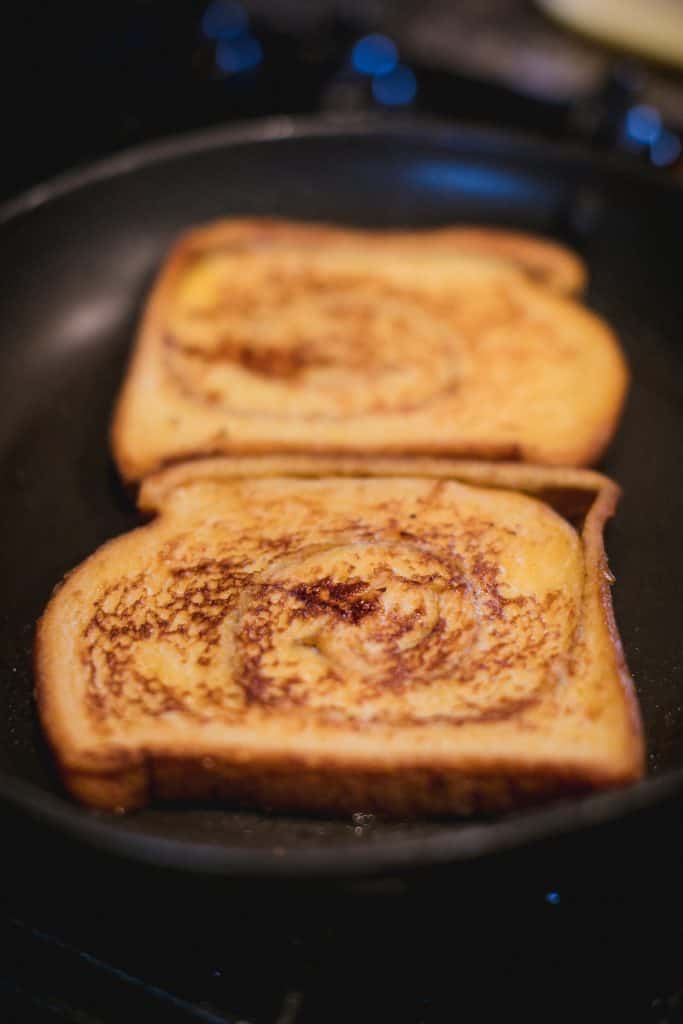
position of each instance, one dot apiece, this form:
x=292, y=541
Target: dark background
x=82, y=80
x=572, y=929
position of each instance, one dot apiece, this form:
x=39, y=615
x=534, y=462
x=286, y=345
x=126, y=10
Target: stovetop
x=570, y=930
x=394, y=956
x=561, y=934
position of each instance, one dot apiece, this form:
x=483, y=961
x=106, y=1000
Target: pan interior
x=76, y=268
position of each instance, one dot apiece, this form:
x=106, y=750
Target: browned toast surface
x=267, y=336
x=405, y=636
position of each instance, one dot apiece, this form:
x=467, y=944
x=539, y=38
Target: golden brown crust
x=409, y=792
x=390, y=577
x=545, y=261
x=341, y=341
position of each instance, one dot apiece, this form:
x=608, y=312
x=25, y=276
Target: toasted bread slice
x=344, y=634
x=264, y=337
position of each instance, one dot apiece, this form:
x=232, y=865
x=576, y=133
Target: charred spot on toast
x=344, y=599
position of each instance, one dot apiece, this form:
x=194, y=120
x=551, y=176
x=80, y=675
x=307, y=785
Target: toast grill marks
x=406, y=612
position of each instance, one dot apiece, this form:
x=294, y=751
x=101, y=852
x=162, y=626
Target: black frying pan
x=76, y=260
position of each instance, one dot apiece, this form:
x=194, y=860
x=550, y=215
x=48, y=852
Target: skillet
x=77, y=257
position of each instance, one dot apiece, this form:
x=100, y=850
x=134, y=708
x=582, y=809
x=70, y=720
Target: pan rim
x=274, y=129
x=461, y=843
x=468, y=842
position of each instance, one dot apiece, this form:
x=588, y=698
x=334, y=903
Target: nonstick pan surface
x=76, y=259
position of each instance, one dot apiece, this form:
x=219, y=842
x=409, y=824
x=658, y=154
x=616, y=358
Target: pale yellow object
x=651, y=28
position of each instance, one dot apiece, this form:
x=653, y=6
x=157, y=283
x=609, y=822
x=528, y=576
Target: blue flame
x=553, y=898
x=237, y=55
x=643, y=124
x=374, y=55
x=396, y=88
x=666, y=149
